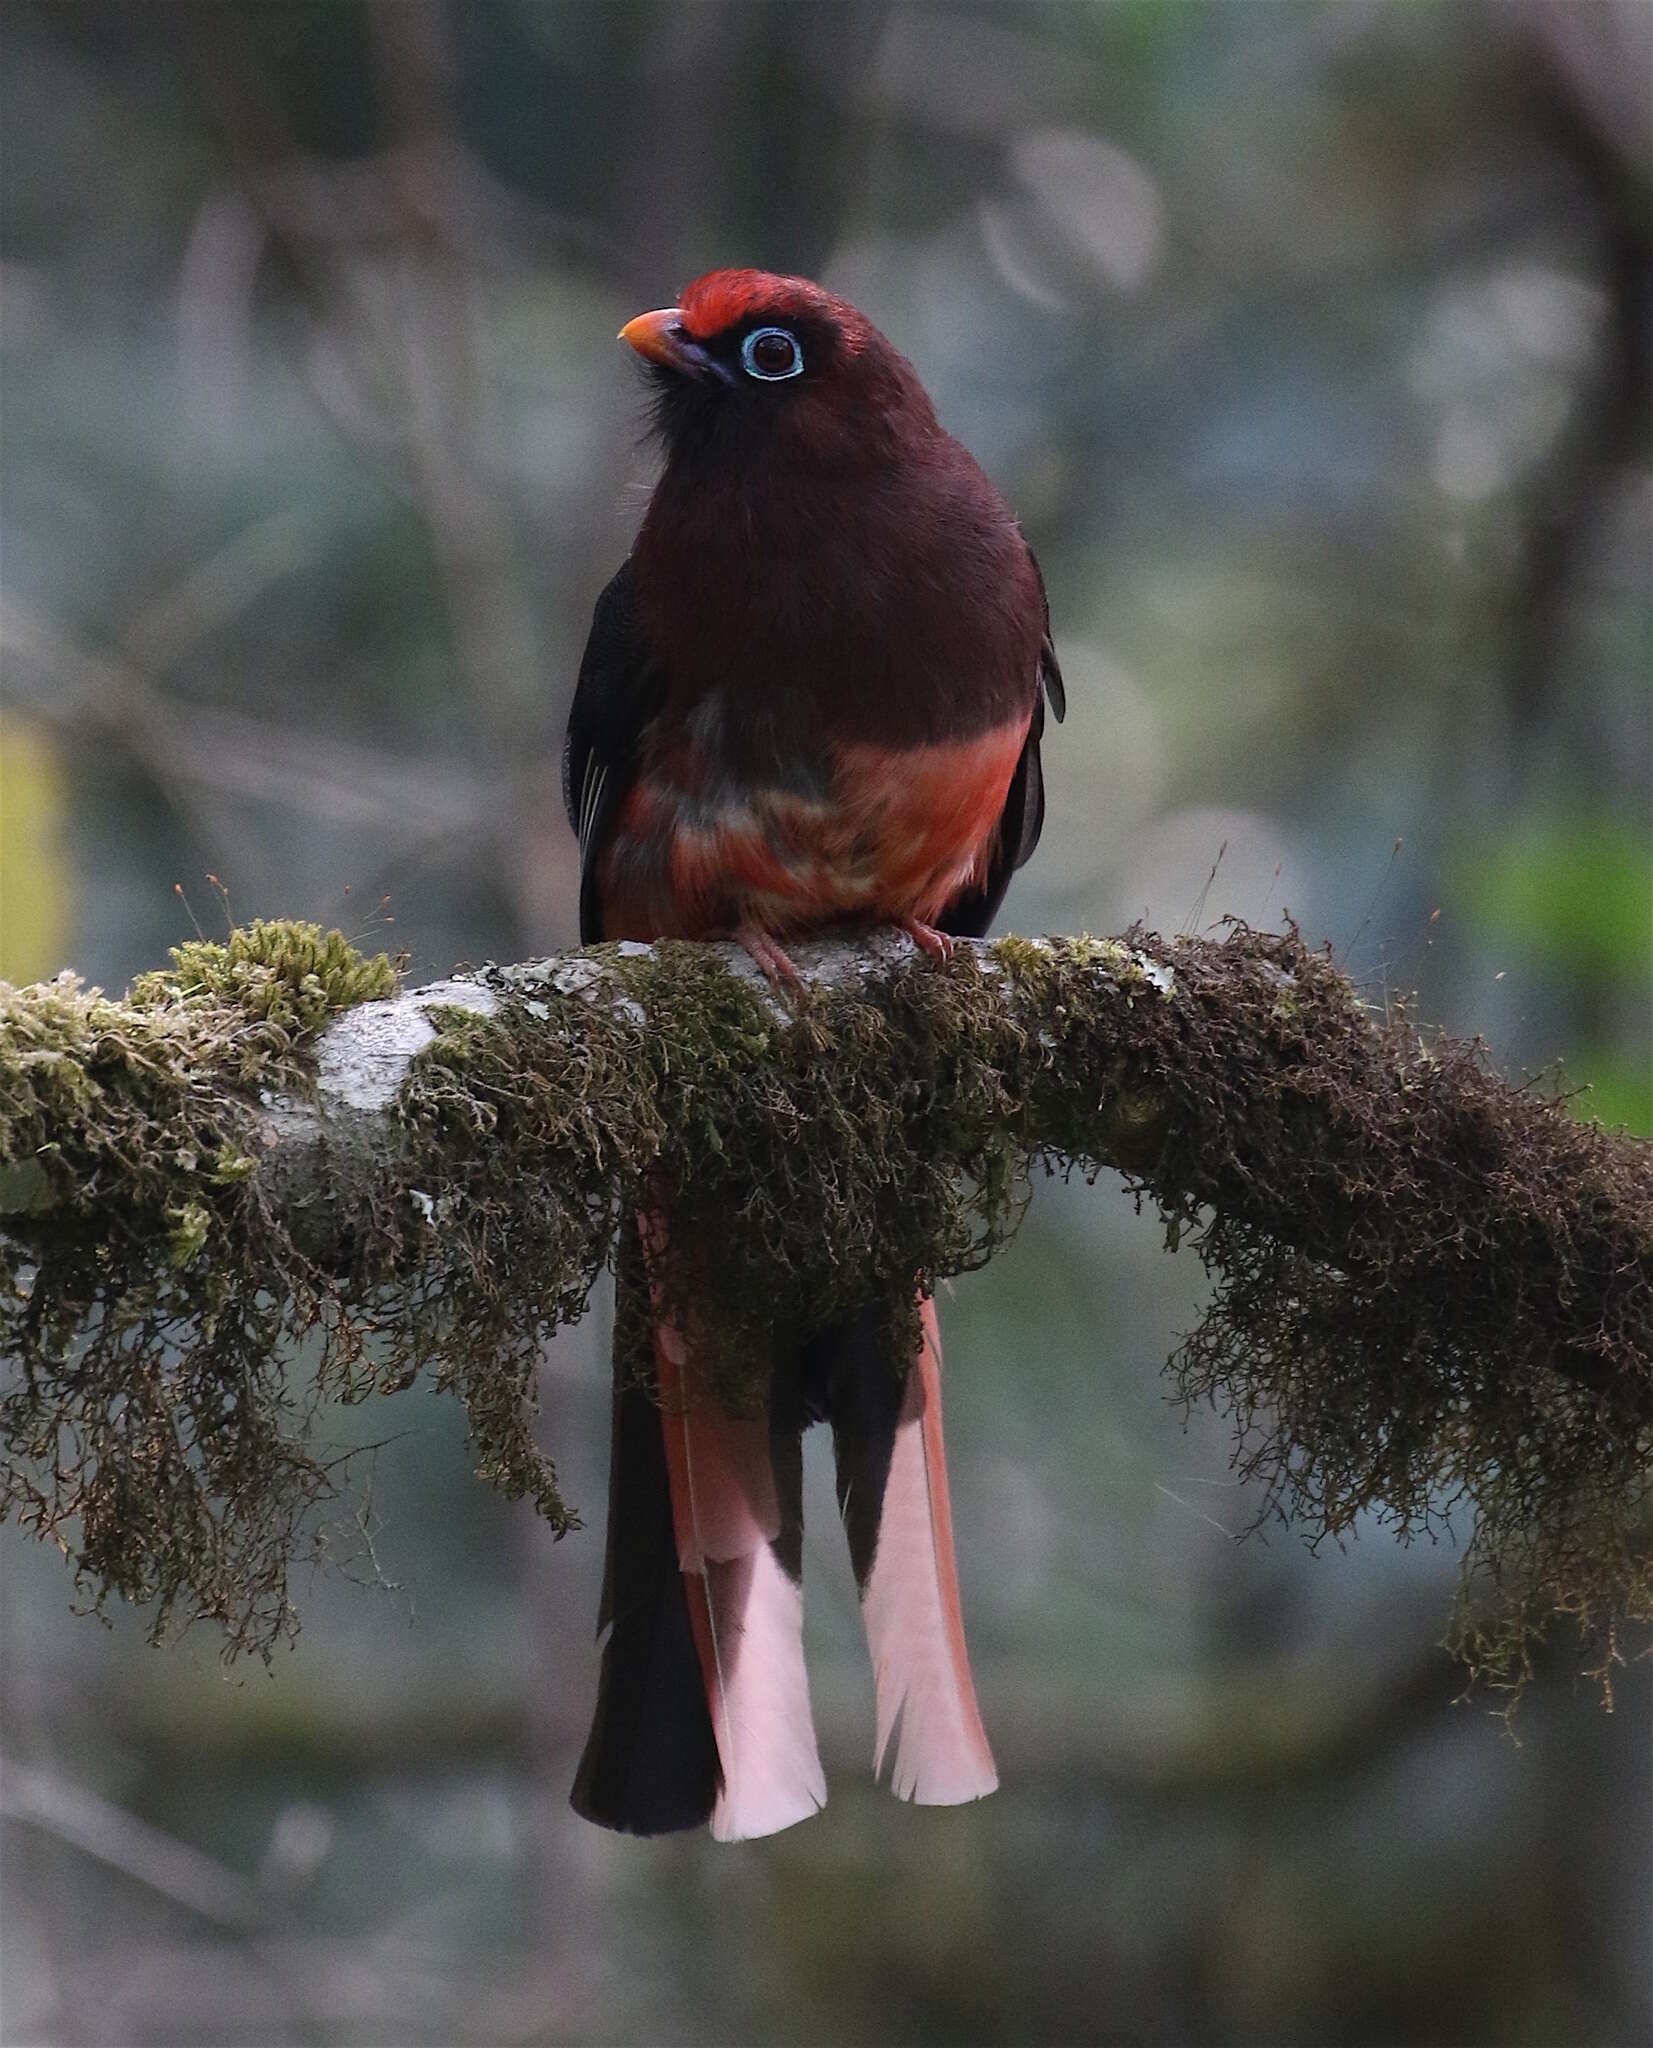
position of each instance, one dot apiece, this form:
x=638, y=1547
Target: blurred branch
x=218, y=589
x=308, y=1979
x=1430, y=1284
x=385, y=254
x=227, y=753
x=1583, y=73
x=41, y=1799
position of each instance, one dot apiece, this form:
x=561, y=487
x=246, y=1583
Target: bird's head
x=746, y=358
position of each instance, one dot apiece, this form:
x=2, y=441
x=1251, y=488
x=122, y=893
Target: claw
x=770, y=957
x=926, y=938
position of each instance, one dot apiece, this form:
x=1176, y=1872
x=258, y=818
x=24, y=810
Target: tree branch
x=1430, y=1286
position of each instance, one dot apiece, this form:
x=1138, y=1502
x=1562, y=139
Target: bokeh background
x=1313, y=342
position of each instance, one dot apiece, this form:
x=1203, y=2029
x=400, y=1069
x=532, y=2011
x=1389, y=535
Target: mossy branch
x=264, y=1182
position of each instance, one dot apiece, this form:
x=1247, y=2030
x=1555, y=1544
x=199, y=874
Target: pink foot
x=926, y=938
x=770, y=957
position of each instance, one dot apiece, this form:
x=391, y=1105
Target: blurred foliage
x=1574, y=894
x=35, y=876
x=1619, y=1091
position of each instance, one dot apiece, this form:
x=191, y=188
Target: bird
x=812, y=696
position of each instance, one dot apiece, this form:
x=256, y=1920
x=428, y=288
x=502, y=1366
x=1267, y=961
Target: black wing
x=1023, y=817
x=618, y=692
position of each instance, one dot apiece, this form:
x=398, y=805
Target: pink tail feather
x=745, y=1607
x=910, y=1606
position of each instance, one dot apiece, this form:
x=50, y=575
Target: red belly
x=900, y=835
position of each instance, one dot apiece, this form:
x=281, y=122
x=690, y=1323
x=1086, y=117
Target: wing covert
x=1023, y=817
x=617, y=693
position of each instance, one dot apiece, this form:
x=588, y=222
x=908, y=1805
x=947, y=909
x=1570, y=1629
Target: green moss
x=289, y=975
x=191, y=1226
x=1429, y=1286
x=1411, y=1305
x=154, y=1420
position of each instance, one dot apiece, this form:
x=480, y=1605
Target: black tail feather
x=650, y=1763
x=849, y=1381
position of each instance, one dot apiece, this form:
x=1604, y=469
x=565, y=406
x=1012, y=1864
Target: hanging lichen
x=154, y=1419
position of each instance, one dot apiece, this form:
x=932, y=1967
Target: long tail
x=703, y=1708
x=892, y=1492
x=651, y=1759
x=737, y=1507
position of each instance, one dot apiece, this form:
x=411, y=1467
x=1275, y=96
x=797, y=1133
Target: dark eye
x=770, y=353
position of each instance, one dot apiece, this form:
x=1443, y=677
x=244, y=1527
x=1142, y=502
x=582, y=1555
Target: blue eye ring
x=749, y=355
